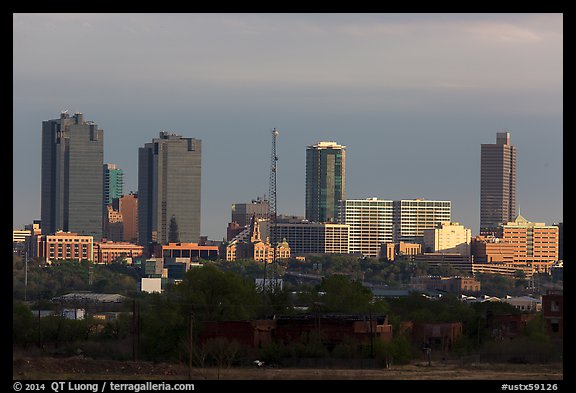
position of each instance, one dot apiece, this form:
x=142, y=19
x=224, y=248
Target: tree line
x=157, y=326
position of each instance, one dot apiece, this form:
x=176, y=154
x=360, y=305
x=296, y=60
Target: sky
x=411, y=96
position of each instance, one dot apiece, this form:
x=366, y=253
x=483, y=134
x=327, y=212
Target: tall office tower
x=497, y=184
x=413, y=216
x=128, y=207
x=113, y=183
x=72, y=159
x=371, y=224
x=242, y=212
x=325, y=181
x=169, y=174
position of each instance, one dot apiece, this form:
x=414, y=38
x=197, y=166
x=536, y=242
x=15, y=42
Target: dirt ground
x=78, y=368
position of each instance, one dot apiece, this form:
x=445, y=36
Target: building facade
x=492, y=250
x=453, y=284
x=109, y=251
x=553, y=313
x=169, y=174
x=448, y=237
x=63, y=246
x=535, y=244
x=128, y=207
x=113, y=183
x=242, y=212
x=413, y=216
x=391, y=251
x=314, y=238
x=192, y=252
x=497, y=183
x=462, y=264
x=71, y=187
x=371, y=224
x=325, y=181
x=249, y=245
x=113, y=225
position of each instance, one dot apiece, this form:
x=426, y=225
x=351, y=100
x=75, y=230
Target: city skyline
x=411, y=96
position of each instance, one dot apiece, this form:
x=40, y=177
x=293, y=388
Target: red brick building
x=108, y=251
x=332, y=329
x=553, y=313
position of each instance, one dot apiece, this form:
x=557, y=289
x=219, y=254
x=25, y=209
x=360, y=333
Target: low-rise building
x=65, y=246
x=553, y=313
x=192, y=251
x=108, y=251
x=392, y=251
x=454, y=284
x=524, y=303
x=459, y=262
x=249, y=245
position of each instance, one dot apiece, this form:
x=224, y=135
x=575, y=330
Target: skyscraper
x=497, y=183
x=113, y=183
x=169, y=174
x=128, y=207
x=71, y=186
x=325, y=181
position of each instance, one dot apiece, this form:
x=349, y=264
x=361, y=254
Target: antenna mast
x=272, y=202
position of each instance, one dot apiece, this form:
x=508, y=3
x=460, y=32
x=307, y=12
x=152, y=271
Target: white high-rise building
x=413, y=216
x=371, y=224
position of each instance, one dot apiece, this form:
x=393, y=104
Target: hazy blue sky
x=412, y=96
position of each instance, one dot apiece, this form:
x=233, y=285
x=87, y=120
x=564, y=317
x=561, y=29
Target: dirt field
x=77, y=368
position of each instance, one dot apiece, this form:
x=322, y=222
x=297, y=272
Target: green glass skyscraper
x=113, y=183
x=71, y=188
x=325, y=181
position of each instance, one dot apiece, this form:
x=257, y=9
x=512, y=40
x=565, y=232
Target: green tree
x=535, y=330
x=344, y=295
x=399, y=350
x=22, y=324
x=162, y=330
x=211, y=294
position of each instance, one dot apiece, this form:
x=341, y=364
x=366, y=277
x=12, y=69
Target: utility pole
x=191, y=349
x=135, y=329
x=25, y=274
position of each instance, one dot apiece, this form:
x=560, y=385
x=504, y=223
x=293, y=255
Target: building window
x=554, y=326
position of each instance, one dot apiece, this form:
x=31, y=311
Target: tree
x=344, y=295
x=22, y=324
x=163, y=328
x=211, y=294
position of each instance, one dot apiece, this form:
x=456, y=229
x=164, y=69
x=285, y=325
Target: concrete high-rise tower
x=169, y=174
x=325, y=181
x=497, y=183
x=71, y=190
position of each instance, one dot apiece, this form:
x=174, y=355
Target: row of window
x=63, y=240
